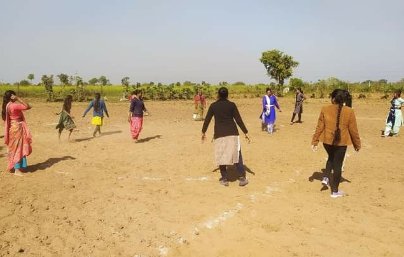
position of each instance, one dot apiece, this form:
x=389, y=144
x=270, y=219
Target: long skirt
x=136, y=125
x=393, y=122
x=19, y=144
x=65, y=122
x=227, y=150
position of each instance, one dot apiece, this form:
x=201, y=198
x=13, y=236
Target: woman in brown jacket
x=337, y=129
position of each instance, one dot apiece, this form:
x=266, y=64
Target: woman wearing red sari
x=17, y=136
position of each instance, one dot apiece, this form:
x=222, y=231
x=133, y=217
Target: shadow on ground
x=147, y=139
x=48, y=163
x=232, y=173
x=102, y=134
x=319, y=176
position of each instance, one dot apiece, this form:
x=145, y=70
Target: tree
x=47, y=81
x=93, y=81
x=279, y=66
x=31, y=77
x=79, y=88
x=125, y=84
x=295, y=83
x=24, y=82
x=104, y=81
x=64, y=79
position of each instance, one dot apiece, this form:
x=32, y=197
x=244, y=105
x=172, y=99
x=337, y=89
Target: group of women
x=18, y=138
x=336, y=128
x=270, y=102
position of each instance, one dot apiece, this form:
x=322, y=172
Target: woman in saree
x=395, y=118
x=135, y=116
x=17, y=136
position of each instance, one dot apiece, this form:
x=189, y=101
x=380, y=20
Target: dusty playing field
x=108, y=196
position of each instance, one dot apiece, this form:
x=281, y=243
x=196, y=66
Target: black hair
x=97, y=102
x=300, y=90
x=268, y=89
x=6, y=100
x=67, y=103
x=348, y=99
x=338, y=97
x=133, y=92
x=398, y=92
x=223, y=93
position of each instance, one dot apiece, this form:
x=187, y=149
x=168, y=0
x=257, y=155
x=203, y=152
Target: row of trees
x=278, y=65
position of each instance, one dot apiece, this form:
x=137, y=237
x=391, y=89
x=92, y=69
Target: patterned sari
x=136, y=125
x=17, y=138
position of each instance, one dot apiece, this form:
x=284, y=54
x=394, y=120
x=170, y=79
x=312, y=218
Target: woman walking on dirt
x=268, y=116
x=395, y=117
x=66, y=120
x=200, y=105
x=337, y=129
x=98, y=113
x=135, y=116
x=17, y=136
x=298, y=106
x=226, y=136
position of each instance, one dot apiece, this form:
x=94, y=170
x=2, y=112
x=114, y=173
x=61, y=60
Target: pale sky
x=211, y=40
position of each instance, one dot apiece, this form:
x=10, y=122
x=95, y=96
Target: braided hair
x=97, y=102
x=339, y=97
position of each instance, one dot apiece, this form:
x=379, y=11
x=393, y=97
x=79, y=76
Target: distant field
x=187, y=91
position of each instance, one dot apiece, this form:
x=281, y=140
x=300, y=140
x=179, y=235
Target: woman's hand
x=203, y=137
x=314, y=148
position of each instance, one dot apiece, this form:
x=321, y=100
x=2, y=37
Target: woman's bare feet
x=18, y=172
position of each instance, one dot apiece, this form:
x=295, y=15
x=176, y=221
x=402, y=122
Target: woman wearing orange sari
x=17, y=136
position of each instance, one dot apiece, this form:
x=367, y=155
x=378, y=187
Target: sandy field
x=109, y=196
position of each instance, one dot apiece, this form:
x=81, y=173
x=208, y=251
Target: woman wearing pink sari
x=17, y=136
x=135, y=116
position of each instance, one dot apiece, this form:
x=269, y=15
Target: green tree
x=31, y=77
x=104, y=81
x=79, y=88
x=125, y=84
x=93, y=81
x=64, y=79
x=47, y=81
x=24, y=82
x=279, y=66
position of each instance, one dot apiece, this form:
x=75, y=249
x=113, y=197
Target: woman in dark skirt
x=66, y=120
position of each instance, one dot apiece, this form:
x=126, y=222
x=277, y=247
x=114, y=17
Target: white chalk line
x=148, y=178
x=218, y=220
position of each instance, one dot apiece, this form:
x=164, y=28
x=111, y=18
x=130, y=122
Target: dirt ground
x=108, y=196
